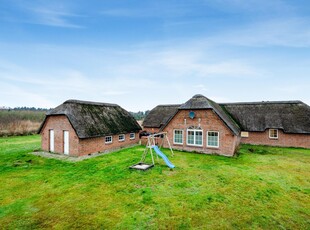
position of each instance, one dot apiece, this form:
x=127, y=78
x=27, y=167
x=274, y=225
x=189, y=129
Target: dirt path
x=67, y=158
x=74, y=159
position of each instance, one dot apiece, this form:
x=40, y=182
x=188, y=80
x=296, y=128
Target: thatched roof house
x=88, y=120
x=93, y=119
x=160, y=116
x=200, y=102
x=289, y=116
x=282, y=123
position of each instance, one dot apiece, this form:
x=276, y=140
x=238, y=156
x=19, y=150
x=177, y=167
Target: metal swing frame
x=151, y=141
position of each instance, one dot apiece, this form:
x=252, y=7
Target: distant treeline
x=140, y=115
x=27, y=120
x=20, y=121
x=24, y=109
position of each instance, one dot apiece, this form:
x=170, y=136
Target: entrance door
x=66, y=142
x=52, y=148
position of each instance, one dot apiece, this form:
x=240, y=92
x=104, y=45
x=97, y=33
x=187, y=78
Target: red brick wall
x=59, y=124
x=93, y=145
x=208, y=121
x=284, y=139
x=79, y=147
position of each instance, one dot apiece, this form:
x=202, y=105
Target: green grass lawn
x=262, y=188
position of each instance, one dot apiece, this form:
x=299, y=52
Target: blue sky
x=139, y=54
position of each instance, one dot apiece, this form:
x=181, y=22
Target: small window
x=212, y=139
x=244, y=134
x=273, y=133
x=108, y=139
x=178, y=136
x=132, y=136
x=121, y=137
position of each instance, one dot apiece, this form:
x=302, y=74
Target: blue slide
x=162, y=155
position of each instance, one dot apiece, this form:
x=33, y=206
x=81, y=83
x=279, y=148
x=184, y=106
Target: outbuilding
x=78, y=128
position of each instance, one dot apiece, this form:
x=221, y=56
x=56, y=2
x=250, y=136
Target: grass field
x=262, y=188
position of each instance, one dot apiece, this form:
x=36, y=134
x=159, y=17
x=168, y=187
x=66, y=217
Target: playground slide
x=162, y=155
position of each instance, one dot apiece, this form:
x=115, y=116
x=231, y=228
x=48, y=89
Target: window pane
x=121, y=137
x=190, y=137
x=108, y=139
x=198, y=138
x=213, y=139
x=178, y=136
x=273, y=133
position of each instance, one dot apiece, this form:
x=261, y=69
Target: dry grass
x=19, y=128
x=14, y=123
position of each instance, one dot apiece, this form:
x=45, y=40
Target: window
x=194, y=136
x=108, y=139
x=132, y=136
x=273, y=133
x=178, y=136
x=121, y=137
x=212, y=139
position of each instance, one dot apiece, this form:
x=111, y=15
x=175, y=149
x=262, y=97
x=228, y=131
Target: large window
x=273, y=133
x=213, y=139
x=194, y=136
x=178, y=136
x=108, y=139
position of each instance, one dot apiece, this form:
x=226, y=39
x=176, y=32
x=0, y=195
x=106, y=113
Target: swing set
x=152, y=145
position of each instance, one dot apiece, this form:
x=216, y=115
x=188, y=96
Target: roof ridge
x=89, y=103
x=169, y=105
x=263, y=102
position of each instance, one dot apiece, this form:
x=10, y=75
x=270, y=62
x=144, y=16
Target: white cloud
x=158, y=9
x=137, y=78
x=48, y=13
x=287, y=32
x=53, y=17
x=18, y=96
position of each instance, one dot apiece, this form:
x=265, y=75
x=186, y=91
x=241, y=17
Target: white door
x=52, y=148
x=66, y=142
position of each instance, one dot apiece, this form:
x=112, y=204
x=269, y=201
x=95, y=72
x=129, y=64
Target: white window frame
x=178, y=143
x=218, y=139
x=108, y=142
x=194, y=130
x=277, y=131
x=121, y=137
x=132, y=136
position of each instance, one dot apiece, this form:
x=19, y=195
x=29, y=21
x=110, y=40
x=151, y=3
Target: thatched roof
x=201, y=102
x=198, y=101
x=290, y=116
x=92, y=119
x=160, y=116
